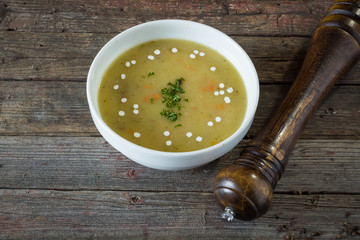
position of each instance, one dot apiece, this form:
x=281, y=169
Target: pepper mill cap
x=244, y=190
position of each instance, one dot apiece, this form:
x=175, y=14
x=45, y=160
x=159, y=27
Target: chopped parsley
x=151, y=74
x=152, y=100
x=178, y=125
x=171, y=99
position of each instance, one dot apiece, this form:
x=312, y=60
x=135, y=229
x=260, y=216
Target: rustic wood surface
x=60, y=179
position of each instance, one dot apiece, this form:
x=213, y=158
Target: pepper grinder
x=245, y=188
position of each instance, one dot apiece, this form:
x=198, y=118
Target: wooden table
x=60, y=179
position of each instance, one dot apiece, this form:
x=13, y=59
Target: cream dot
x=151, y=57
x=136, y=111
x=116, y=87
x=166, y=133
x=133, y=62
x=192, y=56
x=127, y=64
x=196, y=51
x=137, y=135
x=124, y=100
x=123, y=76
x=230, y=90
x=121, y=113
x=136, y=106
x=157, y=51
x=210, y=124
x=221, y=85
x=222, y=92
x=218, y=119
x=227, y=99
x=198, y=139
x=202, y=54
x=168, y=143
x=174, y=50
x=216, y=93
x=213, y=69
x=188, y=134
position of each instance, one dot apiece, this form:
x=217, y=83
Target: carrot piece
x=156, y=96
x=220, y=106
x=146, y=99
x=209, y=88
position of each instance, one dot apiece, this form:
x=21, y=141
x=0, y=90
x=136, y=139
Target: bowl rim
x=98, y=119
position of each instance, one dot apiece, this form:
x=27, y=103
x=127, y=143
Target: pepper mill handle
x=245, y=188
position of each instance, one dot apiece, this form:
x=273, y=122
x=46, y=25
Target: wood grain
x=60, y=179
x=273, y=17
x=57, y=108
x=76, y=163
x=67, y=56
x=156, y=215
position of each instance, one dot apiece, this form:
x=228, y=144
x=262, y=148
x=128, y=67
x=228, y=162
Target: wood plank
x=273, y=17
x=70, y=163
x=58, y=108
x=148, y=215
x=44, y=108
x=67, y=56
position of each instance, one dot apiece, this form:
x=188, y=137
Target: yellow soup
x=172, y=95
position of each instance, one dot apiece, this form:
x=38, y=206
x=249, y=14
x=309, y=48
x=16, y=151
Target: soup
x=172, y=95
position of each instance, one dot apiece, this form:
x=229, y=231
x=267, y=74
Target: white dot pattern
x=227, y=100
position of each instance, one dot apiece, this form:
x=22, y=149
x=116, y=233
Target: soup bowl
x=172, y=29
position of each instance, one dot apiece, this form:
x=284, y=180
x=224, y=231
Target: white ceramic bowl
x=179, y=29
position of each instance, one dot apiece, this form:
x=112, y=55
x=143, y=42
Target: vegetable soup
x=172, y=95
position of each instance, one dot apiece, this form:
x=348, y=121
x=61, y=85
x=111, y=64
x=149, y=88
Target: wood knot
x=132, y=173
x=136, y=200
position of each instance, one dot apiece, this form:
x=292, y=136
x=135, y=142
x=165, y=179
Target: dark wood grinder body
x=245, y=188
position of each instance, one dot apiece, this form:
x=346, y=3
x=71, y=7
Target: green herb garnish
x=172, y=100
x=152, y=100
x=178, y=125
x=151, y=74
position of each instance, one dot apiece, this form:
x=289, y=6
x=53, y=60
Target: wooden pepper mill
x=245, y=188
